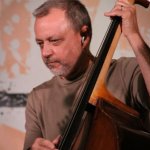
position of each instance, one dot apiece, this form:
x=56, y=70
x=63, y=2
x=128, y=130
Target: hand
x=43, y=144
x=128, y=14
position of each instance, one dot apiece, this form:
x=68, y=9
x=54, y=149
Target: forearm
x=142, y=53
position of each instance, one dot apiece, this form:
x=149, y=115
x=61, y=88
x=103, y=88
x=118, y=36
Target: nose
x=47, y=50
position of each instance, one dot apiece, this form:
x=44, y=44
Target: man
x=63, y=32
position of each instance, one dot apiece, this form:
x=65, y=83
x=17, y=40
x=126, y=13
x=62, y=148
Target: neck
x=81, y=66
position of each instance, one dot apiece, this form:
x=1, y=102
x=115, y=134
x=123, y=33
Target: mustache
x=51, y=60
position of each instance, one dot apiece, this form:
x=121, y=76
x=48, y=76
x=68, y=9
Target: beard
x=58, y=67
x=61, y=71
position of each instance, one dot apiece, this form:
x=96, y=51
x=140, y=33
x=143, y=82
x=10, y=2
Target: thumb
x=57, y=140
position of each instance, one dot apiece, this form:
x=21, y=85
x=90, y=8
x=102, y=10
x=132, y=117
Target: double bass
x=113, y=126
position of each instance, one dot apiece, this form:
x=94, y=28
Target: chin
x=57, y=72
x=63, y=71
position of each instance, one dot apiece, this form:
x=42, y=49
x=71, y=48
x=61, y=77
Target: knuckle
x=37, y=140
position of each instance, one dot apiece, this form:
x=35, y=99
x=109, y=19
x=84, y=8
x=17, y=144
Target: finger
x=57, y=140
x=46, y=144
x=124, y=4
x=115, y=11
x=119, y=9
x=124, y=1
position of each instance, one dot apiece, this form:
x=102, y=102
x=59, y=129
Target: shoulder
x=124, y=62
x=124, y=66
x=41, y=91
x=121, y=73
x=46, y=84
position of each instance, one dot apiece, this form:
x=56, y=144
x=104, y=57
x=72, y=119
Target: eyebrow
x=48, y=38
x=38, y=40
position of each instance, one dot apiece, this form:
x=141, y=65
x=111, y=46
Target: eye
x=40, y=44
x=55, y=42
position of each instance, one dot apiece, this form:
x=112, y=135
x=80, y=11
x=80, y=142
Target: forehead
x=55, y=21
x=55, y=16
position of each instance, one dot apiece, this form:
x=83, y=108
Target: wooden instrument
x=114, y=125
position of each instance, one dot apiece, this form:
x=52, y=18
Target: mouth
x=52, y=64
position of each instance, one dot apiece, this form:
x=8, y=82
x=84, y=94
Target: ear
x=85, y=38
x=84, y=31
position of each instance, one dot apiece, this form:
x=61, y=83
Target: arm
x=131, y=31
x=32, y=125
x=142, y=53
x=34, y=139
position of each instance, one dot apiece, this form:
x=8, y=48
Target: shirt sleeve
x=32, y=123
x=126, y=82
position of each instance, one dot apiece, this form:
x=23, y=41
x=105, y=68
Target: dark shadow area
x=13, y=99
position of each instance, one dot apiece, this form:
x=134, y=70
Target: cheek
x=77, y=49
x=70, y=50
x=44, y=59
